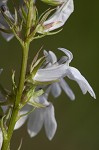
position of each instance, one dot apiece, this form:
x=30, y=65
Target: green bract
x=52, y=2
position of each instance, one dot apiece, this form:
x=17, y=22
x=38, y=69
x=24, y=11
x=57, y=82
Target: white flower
x=38, y=118
x=3, y=23
x=3, y=2
x=56, y=88
x=59, y=70
x=59, y=18
x=56, y=21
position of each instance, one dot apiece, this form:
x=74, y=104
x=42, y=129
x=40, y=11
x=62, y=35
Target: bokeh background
x=78, y=121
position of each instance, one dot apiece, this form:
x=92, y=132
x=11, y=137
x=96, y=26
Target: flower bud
x=59, y=18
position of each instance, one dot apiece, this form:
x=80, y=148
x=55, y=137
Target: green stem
x=6, y=141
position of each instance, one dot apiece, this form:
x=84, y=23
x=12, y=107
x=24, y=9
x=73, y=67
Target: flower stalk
x=15, y=110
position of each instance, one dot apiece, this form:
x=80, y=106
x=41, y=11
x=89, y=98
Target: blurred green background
x=78, y=121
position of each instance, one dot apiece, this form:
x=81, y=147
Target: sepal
x=34, y=68
x=14, y=87
x=42, y=19
x=30, y=96
x=53, y=2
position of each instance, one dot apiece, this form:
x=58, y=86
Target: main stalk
x=6, y=141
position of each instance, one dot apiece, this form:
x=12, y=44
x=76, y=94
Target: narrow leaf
x=46, y=16
x=35, y=59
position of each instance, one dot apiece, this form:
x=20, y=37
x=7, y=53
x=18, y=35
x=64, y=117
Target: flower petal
x=74, y=74
x=35, y=122
x=20, y=122
x=6, y=36
x=50, y=74
x=67, y=89
x=59, y=18
x=55, y=89
x=46, y=55
x=23, y=119
x=53, y=57
x=68, y=53
x=50, y=123
x=42, y=100
x=3, y=23
x=62, y=60
x=50, y=57
x=3, y=2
